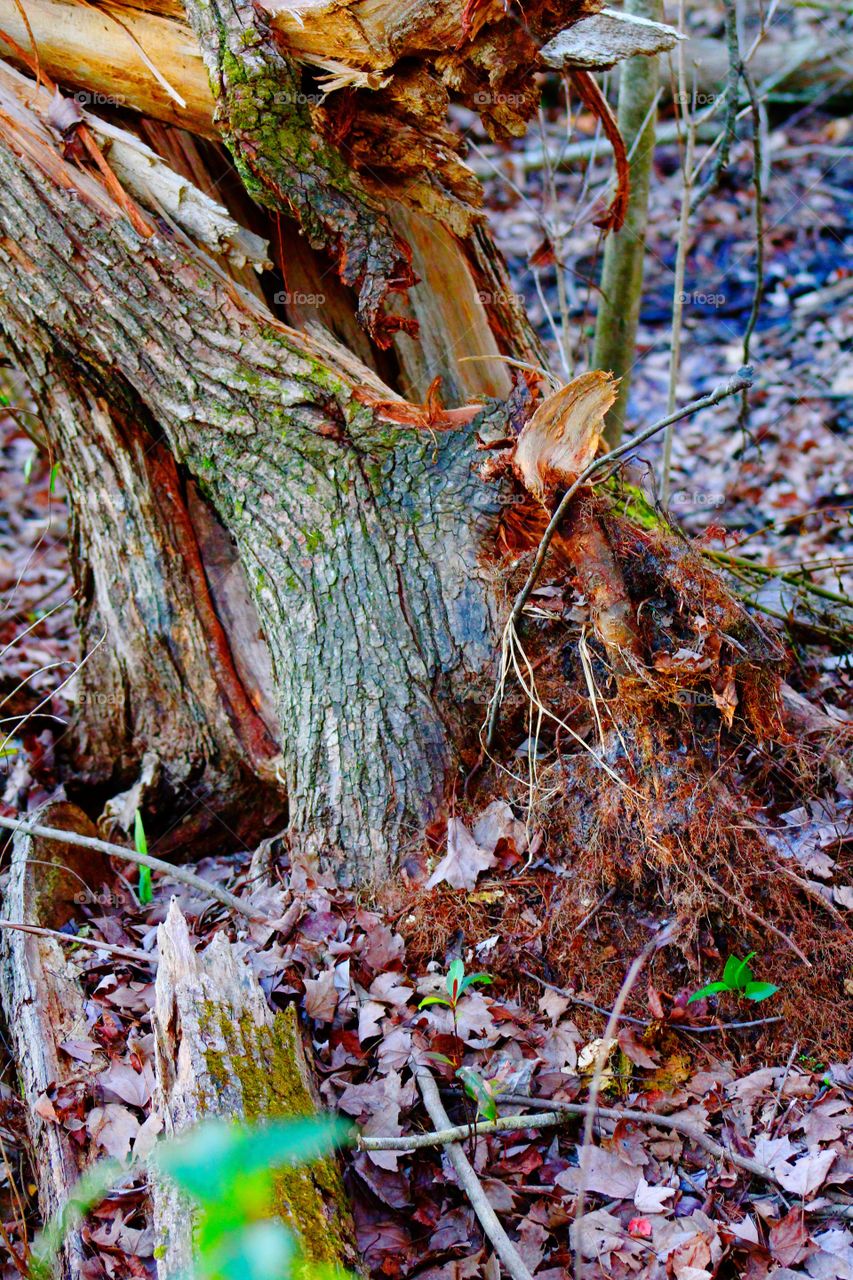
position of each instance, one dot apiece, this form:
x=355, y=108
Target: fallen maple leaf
x=464, y=860
x=321, y=997
x=789, y=1239
x=807, y=1175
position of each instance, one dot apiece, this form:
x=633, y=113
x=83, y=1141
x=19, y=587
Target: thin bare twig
x=730, y=93
x=757, y=182
x=715, y=1029
x=676, y=1123
x=124, y=953
x=181, y=874
x=559, y=1113
x=469, y=1182
x=658, y=940
x=741, y=381
x=680, y=266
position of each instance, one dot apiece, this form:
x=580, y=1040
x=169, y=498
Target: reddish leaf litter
x=38, y=645
x=657, y=1204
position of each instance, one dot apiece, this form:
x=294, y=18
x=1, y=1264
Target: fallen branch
x=559, y=1113
x=124, y=953
x=741, y=381
x=469, y=1182
x=676, y=1123
x=181, y=874
x=658, y=940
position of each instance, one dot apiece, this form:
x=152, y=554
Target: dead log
x=221, y=1052
x=43, y=1000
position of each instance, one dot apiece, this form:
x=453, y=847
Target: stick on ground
x=181, y=874
x=470, y=1183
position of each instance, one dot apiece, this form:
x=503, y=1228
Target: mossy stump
x=220, y=1051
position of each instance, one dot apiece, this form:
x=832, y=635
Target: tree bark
x=220, y=1052
x=359, y=536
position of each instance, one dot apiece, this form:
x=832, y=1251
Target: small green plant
x=229, y=1170
x=146, y=888
x=737, y=976
x=483, y=1092
x=456, y=983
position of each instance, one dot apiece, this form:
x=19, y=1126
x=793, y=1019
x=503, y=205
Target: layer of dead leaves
x=657, y=1204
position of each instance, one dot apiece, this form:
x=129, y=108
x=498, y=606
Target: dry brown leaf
x=321, y=997
x=113, y=1127
x=790, y=1240
x=561, y=438
x=463, y=861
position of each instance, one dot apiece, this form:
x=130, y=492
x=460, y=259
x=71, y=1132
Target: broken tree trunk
x=219, y=1051
x=43, y=1000
x=308, y=501
x=358, y=533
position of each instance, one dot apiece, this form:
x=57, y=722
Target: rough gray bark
x=158, y=675
x=359, y=537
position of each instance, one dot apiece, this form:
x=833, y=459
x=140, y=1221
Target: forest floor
x=658, y=1203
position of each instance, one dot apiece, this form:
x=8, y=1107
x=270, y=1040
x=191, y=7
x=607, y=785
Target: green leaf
x=261, y=1251
x=711, y=989
x=744, y=973
x=427, y=1000
x=146, y=887
x=477, y=1088
x=439, y=1057
x=455, y=974
x=54, y=472
x=139, y=840
x=731, y=971
x=471, y=978
x=759, y=990
x=217, y=1158
x=28, y=465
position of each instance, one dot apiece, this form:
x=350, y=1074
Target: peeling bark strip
x=266, y=124
x=359, y=539
x=219, y=1051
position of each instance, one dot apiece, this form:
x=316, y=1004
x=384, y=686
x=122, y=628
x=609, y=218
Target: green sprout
x=146, y=888
x=737, y=976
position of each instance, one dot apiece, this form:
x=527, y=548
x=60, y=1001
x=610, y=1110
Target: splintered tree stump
x=43, y=1000
x=219, y=1051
